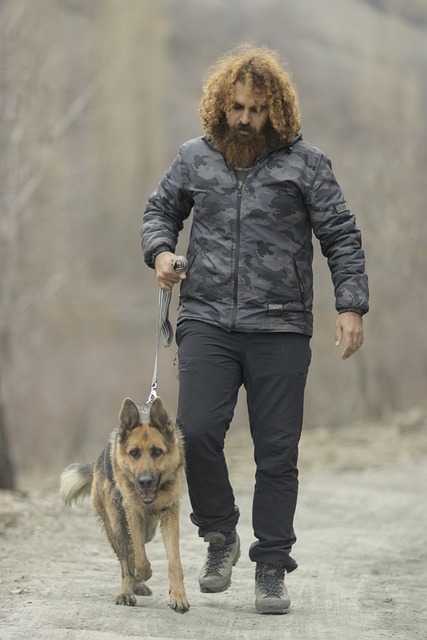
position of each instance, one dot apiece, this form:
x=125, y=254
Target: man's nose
x=245, y=118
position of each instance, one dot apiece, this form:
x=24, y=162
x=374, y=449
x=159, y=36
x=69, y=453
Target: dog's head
x=146, y=448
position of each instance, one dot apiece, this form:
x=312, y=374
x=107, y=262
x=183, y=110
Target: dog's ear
x=159, y=417
x=129, y=416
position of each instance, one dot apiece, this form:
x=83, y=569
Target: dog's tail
x=76, y=482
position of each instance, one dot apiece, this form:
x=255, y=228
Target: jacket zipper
x=237, y=256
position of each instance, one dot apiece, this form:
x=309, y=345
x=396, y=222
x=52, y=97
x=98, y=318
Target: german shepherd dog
x=136, y=484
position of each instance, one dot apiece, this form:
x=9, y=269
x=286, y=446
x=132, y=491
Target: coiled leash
x=163, y=327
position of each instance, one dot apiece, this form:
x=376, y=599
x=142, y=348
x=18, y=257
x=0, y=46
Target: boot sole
x=271, y=609
x=272, y=606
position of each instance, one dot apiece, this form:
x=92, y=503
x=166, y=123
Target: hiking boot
x=270, y=591
x=223, y=553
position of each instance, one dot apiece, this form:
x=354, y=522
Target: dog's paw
x=141, y=589
x=126, y=599
x=180, y=605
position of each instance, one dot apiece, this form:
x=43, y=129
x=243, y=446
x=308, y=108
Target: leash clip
x=150, y=399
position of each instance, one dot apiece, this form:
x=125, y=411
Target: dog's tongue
x=148, y=495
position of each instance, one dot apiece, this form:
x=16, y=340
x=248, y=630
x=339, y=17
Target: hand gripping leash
x=163, y=327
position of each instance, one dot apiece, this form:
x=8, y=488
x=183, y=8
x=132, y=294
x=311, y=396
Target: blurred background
x=95, y=98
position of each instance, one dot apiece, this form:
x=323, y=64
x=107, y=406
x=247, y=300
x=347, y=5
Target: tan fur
x=136, y=485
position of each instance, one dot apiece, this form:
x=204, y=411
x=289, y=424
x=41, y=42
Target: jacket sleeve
x=335, y=227
x=165, y=212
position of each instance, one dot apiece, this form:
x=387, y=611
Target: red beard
x=242, y=150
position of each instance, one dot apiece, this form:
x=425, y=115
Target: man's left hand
x=349, y=326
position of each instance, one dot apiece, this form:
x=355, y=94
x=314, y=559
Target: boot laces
x=270, y=579
x=217, y=557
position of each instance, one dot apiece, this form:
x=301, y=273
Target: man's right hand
x=166, y=275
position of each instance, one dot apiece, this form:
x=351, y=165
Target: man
x=257, y=191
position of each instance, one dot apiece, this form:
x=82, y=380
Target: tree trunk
x=7, y=476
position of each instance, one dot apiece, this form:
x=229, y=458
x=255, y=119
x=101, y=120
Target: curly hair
x=262, y=70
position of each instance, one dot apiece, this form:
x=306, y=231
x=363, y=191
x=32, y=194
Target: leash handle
x=180, y=264
x=163, y=326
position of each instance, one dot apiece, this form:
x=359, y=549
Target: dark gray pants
x=213, y=364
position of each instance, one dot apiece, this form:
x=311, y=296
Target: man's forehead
x=245, y=94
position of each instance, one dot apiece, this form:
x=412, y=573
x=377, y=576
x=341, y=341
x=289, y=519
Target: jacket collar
x=286, y=146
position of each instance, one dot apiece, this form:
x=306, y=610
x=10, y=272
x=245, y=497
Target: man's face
x=249, y=112
x=247, y=134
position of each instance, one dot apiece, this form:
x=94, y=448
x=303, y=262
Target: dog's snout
x=146, y=481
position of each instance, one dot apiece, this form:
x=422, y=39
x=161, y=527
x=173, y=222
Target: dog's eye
x=156, y=453
x=135, y=453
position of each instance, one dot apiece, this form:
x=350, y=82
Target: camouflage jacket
x=250, y=251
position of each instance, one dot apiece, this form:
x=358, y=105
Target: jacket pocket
x=299, y=282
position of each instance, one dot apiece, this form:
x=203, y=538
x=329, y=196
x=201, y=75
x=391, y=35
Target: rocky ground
x=362, y=551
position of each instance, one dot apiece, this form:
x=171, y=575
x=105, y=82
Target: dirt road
x=362, y=551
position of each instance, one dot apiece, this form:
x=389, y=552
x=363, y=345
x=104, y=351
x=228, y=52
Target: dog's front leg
x=169, y=525
x=112, y=515
x=143, y=570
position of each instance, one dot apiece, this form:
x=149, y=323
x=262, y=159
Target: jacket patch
x=275, y=309
x=341, y=207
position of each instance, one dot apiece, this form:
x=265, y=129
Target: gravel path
x=361, y=526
